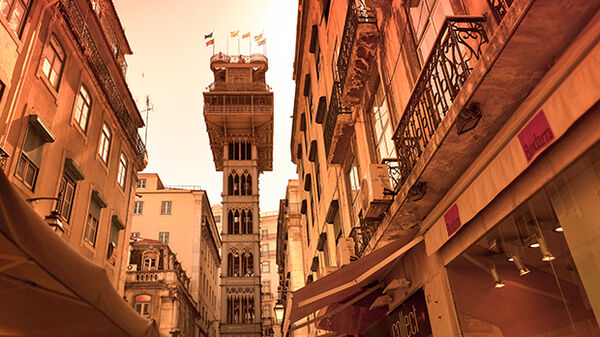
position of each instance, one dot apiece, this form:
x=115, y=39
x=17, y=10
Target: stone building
x=159, y=288
x=453, y=145
x=269, y=274
x=289, y=248
x=69, y=138
x=238, y=111
x=181, y=217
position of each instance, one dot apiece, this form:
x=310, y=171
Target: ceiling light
x=523, y=270
x=546, y=254
x=497, y=280
x=534, y=245
x=558, y=229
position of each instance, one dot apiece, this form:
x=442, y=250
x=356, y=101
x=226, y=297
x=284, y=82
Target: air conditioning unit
x=132, y=267
x=373, y=188
x=344, y=251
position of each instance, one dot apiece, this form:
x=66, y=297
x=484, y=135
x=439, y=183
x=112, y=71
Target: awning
x=349, y=280
x=48, y=289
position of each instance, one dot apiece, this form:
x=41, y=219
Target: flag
x=262, y=42
x=209, y=42
x=208, y=36
x=234, y=33
x=258, y=37
x=246, y=35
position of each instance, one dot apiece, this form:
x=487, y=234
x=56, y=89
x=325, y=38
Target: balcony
x=357, y=52
x=254, y=86
x=3, y=158
x=472, y=82
x=362, y=236
x=338, y=127
x=450, y=62
x=499, y=8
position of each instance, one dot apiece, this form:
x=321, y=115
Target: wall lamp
x=53, y=219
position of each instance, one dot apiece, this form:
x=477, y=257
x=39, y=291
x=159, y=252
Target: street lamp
x=278, y=311
x=53, y=219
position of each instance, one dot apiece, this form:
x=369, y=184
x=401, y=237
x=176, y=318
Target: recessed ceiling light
x=534, y=245
x=558, y=229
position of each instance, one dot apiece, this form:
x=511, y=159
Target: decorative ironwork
x=362, y=235
x=89, y=49
x=457, y=48
x=396, y=170
x=335, y=109
x=354, y=16
x=499, y=8
x=3, y=158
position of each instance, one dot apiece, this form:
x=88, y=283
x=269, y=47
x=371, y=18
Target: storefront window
x=537, y=272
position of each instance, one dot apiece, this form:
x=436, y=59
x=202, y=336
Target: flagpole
x=250, y=43
x=238, y=36
x=228, y=41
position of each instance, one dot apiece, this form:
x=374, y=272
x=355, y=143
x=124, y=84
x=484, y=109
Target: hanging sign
x=410, y=319
x=536, y=135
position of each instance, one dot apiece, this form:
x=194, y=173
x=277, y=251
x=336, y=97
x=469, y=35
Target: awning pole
x=344, y=306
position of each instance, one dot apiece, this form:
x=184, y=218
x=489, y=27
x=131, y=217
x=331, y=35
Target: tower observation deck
x=238, y=111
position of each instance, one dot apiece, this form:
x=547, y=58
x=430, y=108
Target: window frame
x=268, y=267
x=65, y=182
x=122, y=171
x=81, y=101
x=164, y=237
x=26, y=5
x=430, y=16
x=105, y=143
x=143, y=305
x=141, y=183
x=379, y=103
x=90, y=233
x=166, y=211
x=56, y=49
x=138, y=210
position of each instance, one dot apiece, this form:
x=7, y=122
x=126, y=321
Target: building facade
x=269, y=271
x=238, y=111
x=181, y=217
x=68, y=122
x=433, y=122
x=159, y=288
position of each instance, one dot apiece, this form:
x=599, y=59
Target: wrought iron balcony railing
x=396, y=170
x=362, y=235
x=335, y=109
x=3, y=158
x=456, y=50
x=499, y=8
x=79, y=27
x=360, y=32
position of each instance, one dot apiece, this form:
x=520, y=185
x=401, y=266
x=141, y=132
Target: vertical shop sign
x=536, y=135
x=452, y=220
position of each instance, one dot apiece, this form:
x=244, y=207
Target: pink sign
x=452, y=220
x=535, y=136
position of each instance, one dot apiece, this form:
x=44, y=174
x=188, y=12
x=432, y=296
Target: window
x=264, y=233
x=264, y=250
x=165, y=207
x=381, y=126
x=266, y=287
x=164, y=237
x=427, y=17
x=135, y=234
x=326, y=5
x=31, y=157
x=122, y=173
x=138, y=207
x=15, y=11
x=240, y=150
x=82, y=108
x=141, y=183
x=150, y=262
x=266, y=311
x=54, y=60
x=266, y=266
x=142, y=305
x=354, y=181
x=105, y=139
x=66, y=193
x=91, y=226
x=113, y=242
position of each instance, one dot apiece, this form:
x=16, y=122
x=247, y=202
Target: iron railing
x=335, y=109
x=3, y=158
x=448, y=65
x=78, y=26
x=499, y=8
x=254, y=86
x=354, y=16
x=396, y=170
x=362, y=235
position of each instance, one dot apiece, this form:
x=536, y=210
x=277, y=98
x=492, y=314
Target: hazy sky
x=167, y=39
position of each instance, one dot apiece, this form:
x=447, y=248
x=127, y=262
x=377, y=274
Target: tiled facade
x=68, y=122
x=457, y=123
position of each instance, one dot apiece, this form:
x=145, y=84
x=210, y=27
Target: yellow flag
x=246, y=35
x=234, y=33
x=258, y=37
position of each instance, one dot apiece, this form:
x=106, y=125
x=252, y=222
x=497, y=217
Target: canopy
x=48, y=289
x=349, y=280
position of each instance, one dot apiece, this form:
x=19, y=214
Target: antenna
x=149, y=107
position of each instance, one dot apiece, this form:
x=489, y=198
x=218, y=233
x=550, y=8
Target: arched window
x=247, y=264
x=230, y=222
x=243, y=185
x=236, y=184
x=244, y=219
x=230, y=184
x=248, y=223
x=240, y=308
x=54, y=60
x=233, y=264
x=236, y=222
